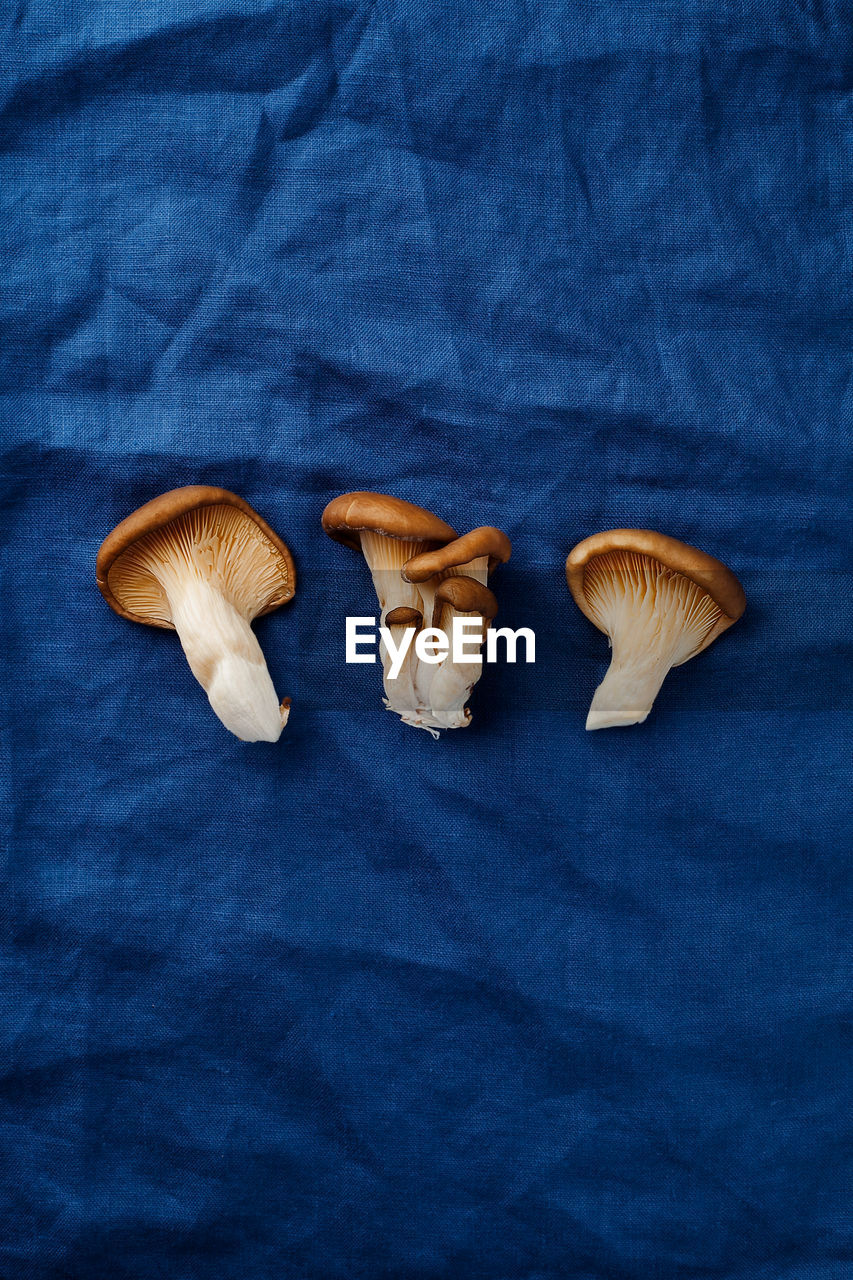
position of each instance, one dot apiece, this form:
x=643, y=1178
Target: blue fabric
x=526, y=1003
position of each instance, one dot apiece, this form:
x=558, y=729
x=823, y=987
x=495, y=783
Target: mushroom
x=475, y=555
x=389, y=532
x=404, y=618
x=659, y=601
x=459, y=597
x=201, y=562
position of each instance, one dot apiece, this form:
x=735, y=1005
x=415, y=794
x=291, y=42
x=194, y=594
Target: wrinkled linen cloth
x=526, y=1003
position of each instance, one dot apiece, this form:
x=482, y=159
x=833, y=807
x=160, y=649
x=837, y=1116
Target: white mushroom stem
x=225, y=657
x=385, y=558
x=453, y=681
x=627, y=692
x=400, y=695
x=656, y=619
x=425, y=671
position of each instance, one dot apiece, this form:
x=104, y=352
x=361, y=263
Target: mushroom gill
x=659, y=601
x=655, y=618
x=200, y=561
x=216, y=544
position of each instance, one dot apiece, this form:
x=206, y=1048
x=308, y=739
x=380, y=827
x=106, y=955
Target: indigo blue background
x=525, y=1003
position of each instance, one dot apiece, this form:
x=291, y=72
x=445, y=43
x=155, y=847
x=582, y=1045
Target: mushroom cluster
x=202, y=562
x=425, y=578
x=659, y=601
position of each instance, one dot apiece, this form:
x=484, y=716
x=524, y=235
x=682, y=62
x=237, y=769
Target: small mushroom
x=404, y=618
x=459, y=597
x=389, y=532
x=202, y=562
x=659, y=601
x=476, y=555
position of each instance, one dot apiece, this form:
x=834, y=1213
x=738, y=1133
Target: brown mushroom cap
x=404, y=617
x=464, y=595
x=348, y=516
x=172, y=508
x=485, y=541
x=710, y=574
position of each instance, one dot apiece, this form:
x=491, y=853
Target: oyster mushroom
x=202, y=562
x=389, y=532
x=404, y=618
x=475, y=555
x=659, y=601
x=459, y=597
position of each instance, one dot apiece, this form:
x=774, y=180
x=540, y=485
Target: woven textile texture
x=525, y=1003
